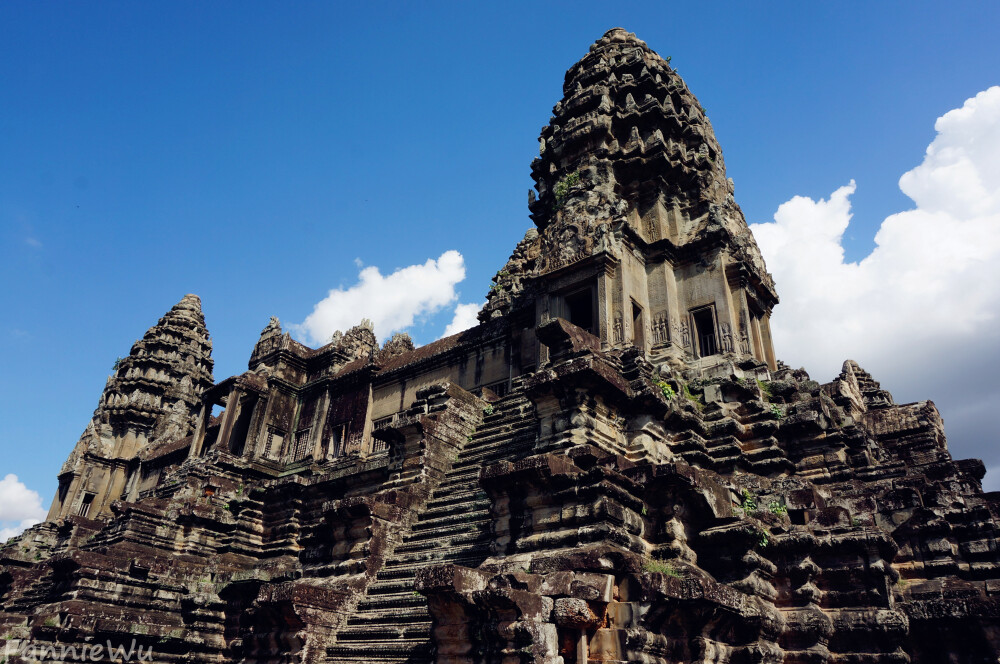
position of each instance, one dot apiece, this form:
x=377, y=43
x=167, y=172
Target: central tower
x=639, y=238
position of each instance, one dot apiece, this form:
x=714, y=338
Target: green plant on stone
x=563, y=186
x=776, y=412
x=690, y=396
x=51, y=622
x=765, y=388
x=655, y=566
x=667, y=389
x=645, y=512
x=763, y=539
x=749, y=502
x=488, y=409
x=117, y=365
x=776, y=507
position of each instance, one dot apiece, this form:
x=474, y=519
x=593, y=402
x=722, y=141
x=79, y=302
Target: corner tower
x=639, y=239
x=154, y=394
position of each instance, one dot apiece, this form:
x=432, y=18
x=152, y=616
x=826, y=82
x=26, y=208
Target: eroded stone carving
x=727, y=338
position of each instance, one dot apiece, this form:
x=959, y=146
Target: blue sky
x=257, y=153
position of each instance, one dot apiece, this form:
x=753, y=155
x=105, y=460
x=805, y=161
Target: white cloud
x=391, y=302
x=6, y=532
x=920, y=312
x=465, y=317
x=20, y=507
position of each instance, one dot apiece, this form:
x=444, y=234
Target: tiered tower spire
x=154, y=394
x=639, y=237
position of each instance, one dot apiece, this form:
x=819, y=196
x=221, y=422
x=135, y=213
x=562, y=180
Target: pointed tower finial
x=154, y=394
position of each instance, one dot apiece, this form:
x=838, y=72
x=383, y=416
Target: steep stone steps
x=429, y=541
x=450, y=514
x=391, y=622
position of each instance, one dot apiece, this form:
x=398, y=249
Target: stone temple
x=613, y=466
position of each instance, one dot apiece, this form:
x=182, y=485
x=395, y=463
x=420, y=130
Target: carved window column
x=743, y=339
x=366, y=435
x=767, y=342
x=609, y=289
x=199, y=433
x=228, y=419
x=734, y=299
x=319, y=425
x=260, y=446
x=256, y=421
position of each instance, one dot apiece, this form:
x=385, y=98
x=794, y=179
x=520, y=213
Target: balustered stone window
x=88, y=500
x=705, y=335
x=300, y=447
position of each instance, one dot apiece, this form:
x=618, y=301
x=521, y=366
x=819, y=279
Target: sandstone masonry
x=613, y=466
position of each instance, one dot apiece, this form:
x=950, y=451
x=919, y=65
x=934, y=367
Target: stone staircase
x=392, y=622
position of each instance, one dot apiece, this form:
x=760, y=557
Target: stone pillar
x=767, y=342
x=607, y=288
x=319, y=424
x=199, y=433
x=260, y=445
x=229, y=417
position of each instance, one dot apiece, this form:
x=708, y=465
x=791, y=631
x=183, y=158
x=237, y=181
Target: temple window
x=580, y=309
x=241, y=429
x=338, y=437
x=275, y=439
x=88, y=500
x=300, y=449
x=638, y=327
x=703, y=320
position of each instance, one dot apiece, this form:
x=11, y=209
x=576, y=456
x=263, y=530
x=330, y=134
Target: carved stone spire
x=159, y=384
x=629, y=139
x=630, y=179
x=154, y=394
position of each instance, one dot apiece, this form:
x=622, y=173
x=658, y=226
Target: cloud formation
x=920, y=312
x=465, y=317
x=392, y=302
x=20, y=507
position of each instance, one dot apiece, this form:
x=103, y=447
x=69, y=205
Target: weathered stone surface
x=611, y=467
